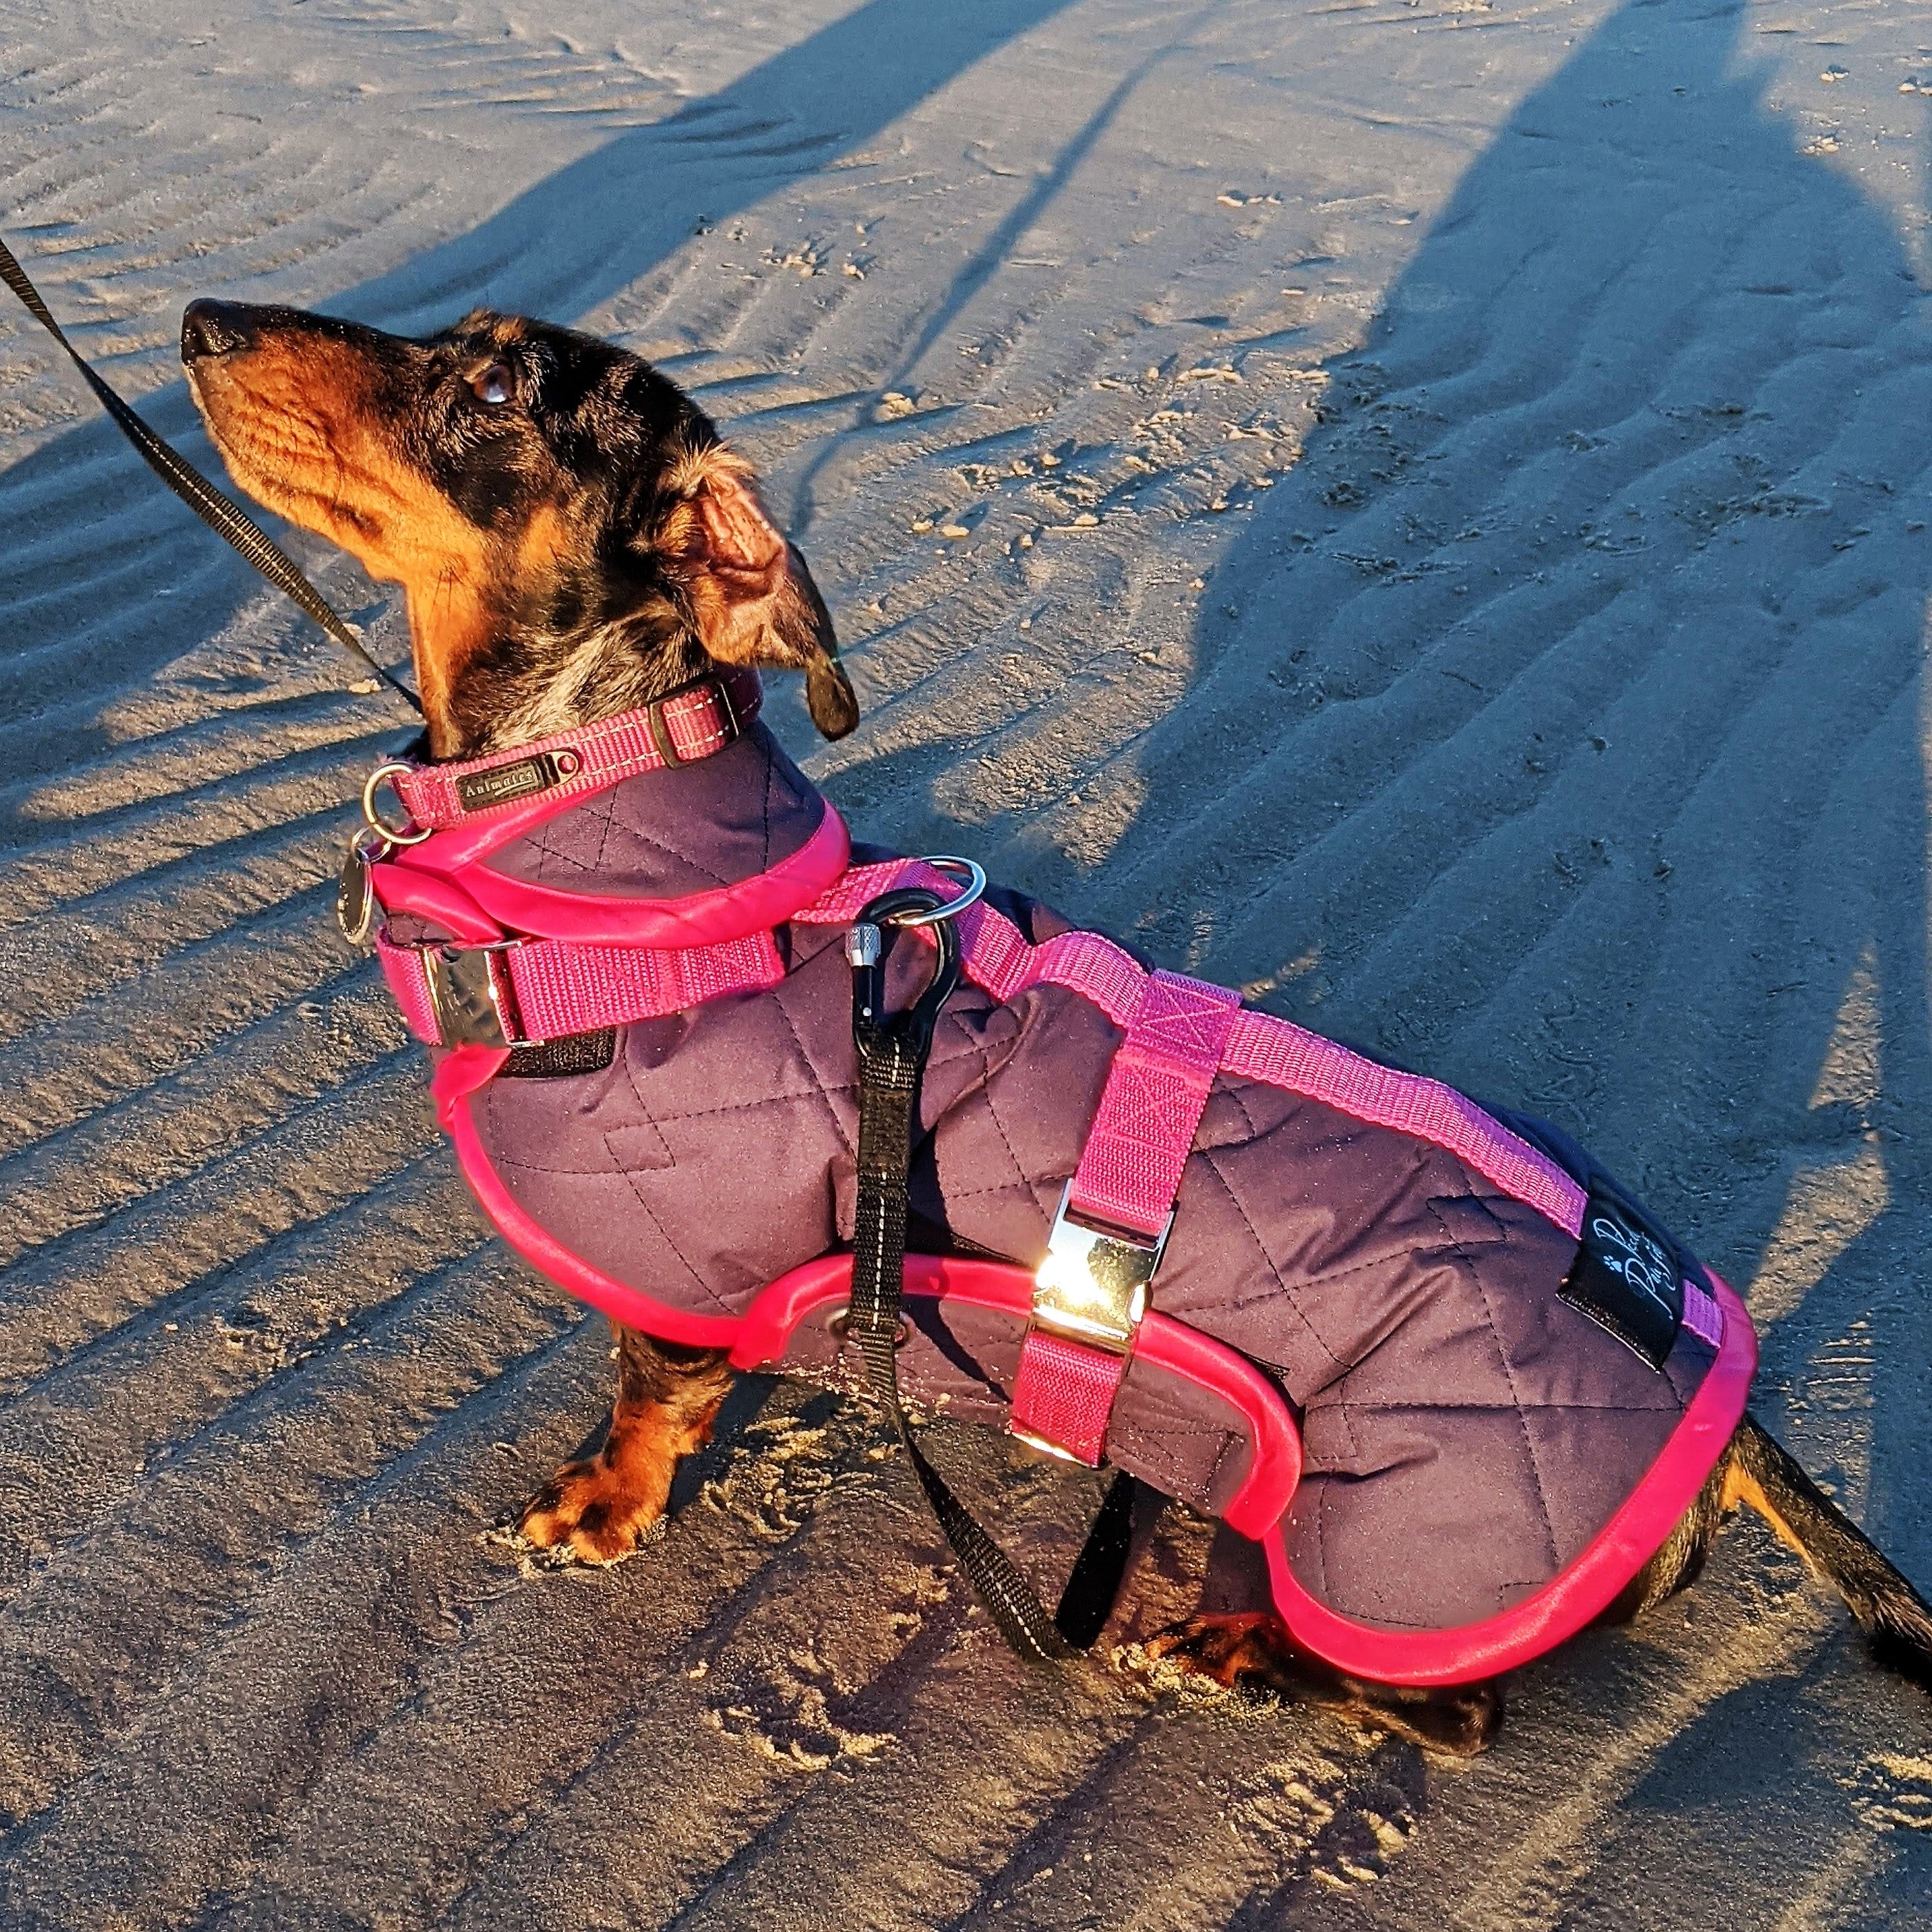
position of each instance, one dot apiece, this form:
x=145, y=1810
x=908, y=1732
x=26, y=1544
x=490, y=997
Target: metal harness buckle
x=1092, y=1285
x=471, y=993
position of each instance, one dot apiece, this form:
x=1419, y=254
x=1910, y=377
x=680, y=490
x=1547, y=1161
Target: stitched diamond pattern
x=1130, y=1168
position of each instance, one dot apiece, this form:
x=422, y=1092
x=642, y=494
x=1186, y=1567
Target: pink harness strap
x=555, y=987
x=1180, y=1033
x=997, y=956
x=1282, y=1054
x=1129, y=1173
x=562, y=986
x=1703, y=1315
x=758, y=903
x=1129, y=1170
x=1063, y=1396
x=409, y=987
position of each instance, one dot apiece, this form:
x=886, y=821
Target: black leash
x=226, y=519
x=893, y=1049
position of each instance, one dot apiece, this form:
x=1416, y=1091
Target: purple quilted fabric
x=1466, y=1432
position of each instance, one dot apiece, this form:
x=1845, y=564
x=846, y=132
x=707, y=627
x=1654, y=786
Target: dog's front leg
x=667, y=1398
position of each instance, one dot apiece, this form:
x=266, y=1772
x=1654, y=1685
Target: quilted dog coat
x=1457, y=1385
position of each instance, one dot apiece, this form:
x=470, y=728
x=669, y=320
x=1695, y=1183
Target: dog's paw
x=1228, y=1649
x=1253, y=1653
x=594, y=1510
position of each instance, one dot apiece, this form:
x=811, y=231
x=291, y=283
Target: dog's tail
x=1893, y=1614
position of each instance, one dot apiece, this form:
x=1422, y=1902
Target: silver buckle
x=1091, y=1288
x=472, y=996
x=1092, y=1285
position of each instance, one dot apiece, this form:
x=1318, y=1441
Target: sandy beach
x=1418, y=509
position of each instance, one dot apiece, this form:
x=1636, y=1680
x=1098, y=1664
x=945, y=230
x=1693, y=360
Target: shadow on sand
x=81, y=633
x=1634, y=831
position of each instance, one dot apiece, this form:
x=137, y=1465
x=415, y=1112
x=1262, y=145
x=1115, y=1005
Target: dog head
x=572, y=538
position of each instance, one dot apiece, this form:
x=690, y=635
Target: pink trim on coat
x=1583, y=1589
x=457, y=1081
x=999, y=958
x=1464, y=1654
x=758, y=904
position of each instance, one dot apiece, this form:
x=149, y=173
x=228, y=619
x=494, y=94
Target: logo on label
x=477, y=791
x=1630, y=1252
x=1627, y=1278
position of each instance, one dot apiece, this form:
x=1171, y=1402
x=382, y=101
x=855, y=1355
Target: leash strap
x=893, y=1052
x=227, y=520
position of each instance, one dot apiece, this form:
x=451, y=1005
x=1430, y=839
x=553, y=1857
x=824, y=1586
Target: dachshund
x=574, y=540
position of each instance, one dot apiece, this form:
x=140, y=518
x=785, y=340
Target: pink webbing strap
x=1129, y=1175
x=1129, y=1170
x=558, y=987
x=409, y=987
x=1063, y=1395
x=573, y=764
x=1703, y=1315
x=1281, y=1053
x=997, y=956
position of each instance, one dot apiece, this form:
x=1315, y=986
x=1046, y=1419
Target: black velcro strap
x=571, y=1053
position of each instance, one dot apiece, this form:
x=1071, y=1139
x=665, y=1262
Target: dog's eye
x=494, y=384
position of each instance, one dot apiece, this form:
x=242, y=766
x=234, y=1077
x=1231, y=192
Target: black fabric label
x=1627, y=1279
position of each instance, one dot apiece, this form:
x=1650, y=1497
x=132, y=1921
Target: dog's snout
x=214, y=328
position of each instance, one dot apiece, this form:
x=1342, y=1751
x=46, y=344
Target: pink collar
x=551, y=960
x=679, y=730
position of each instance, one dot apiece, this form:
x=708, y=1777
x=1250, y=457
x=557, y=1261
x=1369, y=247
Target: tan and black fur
x=574, y=540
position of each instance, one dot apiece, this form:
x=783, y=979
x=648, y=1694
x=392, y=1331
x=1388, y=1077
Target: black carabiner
x=868, y=947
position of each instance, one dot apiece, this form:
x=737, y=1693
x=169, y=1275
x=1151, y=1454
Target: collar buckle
x=730, y=727
x=473, y=996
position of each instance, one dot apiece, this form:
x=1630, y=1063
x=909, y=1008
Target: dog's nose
x=215, y=327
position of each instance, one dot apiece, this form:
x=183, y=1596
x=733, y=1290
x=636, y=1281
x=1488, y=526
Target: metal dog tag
x=354, y=895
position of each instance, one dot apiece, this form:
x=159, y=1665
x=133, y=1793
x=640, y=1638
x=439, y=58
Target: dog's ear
x=753, y=599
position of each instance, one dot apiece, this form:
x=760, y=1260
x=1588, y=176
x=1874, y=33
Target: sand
x=1416, y=510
